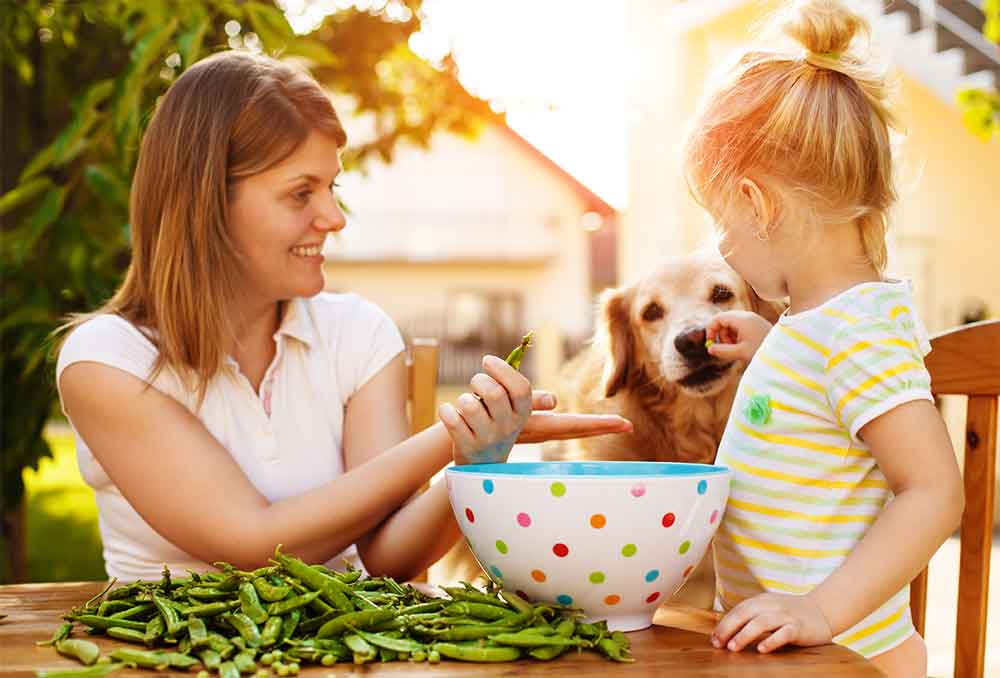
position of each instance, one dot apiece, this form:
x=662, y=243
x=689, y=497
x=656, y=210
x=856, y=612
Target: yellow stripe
x=871, y=381
x=792, y=374
x=803, y=339
x=834, y=313
x=862, y=345
x=774, y=584
x=874, y=628
x=786, y=550
x=810, y=482
x=796, y=515
x=898, y=310
x=779, y=439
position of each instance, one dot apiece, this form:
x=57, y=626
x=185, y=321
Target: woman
x=221, y=404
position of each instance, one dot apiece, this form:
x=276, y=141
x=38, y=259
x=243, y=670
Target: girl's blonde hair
x=814, y=123
x=227, y=117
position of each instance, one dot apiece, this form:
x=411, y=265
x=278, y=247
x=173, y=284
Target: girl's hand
x=485, y=423
x=736, y=335
x=790, y=620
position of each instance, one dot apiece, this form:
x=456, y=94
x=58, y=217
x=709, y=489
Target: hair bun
x=822, y=26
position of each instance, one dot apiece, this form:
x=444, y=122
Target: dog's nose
x=691, y=344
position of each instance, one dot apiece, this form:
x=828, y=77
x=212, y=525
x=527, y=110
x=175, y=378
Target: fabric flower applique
x=758, y=409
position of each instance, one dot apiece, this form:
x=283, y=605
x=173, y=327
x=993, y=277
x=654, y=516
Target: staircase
x=938, y=42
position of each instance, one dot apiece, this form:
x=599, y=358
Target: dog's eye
x=652, y=312
x=720, y=294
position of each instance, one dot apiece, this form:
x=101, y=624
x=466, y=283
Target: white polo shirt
x=286, y=439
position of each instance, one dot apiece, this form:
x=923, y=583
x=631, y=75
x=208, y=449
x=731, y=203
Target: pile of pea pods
x=278, y=618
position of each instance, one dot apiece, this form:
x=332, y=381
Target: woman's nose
x=330, y=217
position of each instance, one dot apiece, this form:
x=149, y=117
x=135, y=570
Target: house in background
x=474, y=242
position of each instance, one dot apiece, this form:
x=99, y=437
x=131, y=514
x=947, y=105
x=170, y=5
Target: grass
x=64, y=543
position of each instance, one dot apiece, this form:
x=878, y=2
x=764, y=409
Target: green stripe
x=822, y=536
x=832, y=470
x=797, y=567
x=879, y=646
x=752, y=488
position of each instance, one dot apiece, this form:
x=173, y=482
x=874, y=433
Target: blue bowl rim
x=592, y=470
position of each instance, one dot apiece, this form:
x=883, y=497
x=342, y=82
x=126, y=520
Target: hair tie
x=828, y=55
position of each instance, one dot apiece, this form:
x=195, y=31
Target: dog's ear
x=614, y=336
x=770, y=310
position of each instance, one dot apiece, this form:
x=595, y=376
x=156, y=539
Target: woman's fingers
x=493, y=395
x=543, y=400
x=516, y=384
x=543, y=426
x=460, y=433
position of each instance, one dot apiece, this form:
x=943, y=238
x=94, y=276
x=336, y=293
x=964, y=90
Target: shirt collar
x=296, y=322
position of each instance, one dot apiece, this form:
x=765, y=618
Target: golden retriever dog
x=648, y=362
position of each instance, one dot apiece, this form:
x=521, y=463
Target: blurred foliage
x=980, y=107
x=80, y=79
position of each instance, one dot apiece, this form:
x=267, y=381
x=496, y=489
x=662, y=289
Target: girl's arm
x=914, y=452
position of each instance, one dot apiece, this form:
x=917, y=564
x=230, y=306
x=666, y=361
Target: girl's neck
x=827, y=268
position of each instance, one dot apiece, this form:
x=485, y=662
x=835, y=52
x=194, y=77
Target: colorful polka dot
x=702, y=486
x=560, y=550
x=651, y=598
x=563, y=599
x=523, y=519
x=638, y=490
x=488, y=486
x=652, y=575
x=538, y=575
x=501, y=546
x=713, y=517
x=469, y=515
x=613, y=599
x=523, y=595
x=496, y=571
x=684, y=547
x=687, y=571
x=596, y=577
x=557, y=489
x=668, y=519
x=598, y=521
x=629, y=550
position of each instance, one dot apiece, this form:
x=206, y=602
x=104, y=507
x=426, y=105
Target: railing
x=956, y=24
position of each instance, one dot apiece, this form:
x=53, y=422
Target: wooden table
x=677, y=646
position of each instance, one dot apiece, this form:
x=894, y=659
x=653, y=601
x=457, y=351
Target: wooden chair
x=966, y=361
x=422, y=368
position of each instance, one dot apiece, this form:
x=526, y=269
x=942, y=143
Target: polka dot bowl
x=615, y=539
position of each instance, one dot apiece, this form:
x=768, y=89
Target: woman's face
x=279, y=219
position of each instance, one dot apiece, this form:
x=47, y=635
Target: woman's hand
x=736, y=335
x=485, y=423
x=789, y=619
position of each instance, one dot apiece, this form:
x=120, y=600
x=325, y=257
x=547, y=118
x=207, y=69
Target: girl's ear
x=757, y=200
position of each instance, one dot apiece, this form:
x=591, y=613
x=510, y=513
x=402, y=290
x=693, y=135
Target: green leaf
x=40, y=162
x=148, y=50
x=189, y=44
x=270, y=24
x=25, y=192
x=107, y=184
x=313, y=50
x=47, y=212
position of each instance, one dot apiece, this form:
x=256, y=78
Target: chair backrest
x=966, y=361
x=422, y=368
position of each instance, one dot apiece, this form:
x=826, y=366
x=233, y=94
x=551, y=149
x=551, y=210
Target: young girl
x=844, y=479
x=221, y=403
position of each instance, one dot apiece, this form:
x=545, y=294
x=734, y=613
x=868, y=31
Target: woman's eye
x=721, y=294
x=302, y=196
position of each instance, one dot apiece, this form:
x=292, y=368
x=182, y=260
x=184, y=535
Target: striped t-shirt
x=805, y=487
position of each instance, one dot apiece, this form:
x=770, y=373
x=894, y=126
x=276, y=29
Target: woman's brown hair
x=227, y=117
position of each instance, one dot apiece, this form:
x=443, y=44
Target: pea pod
x=211, y=609
x=250, y=603
x=479, y=610
x=271, y=592
x=83, y=650
x=228, y=670
x=547, y=652
x=197, y=632
x=210, y=658
x=205, y=593
x=105, y=623
x=133, y=611
x=141, y=658
x=432, y=606
x=363, y=651
x=514, y=359
x=95, y=671
x=287, y=605
x=516, y=601
x=614, y=650
x=290, y=624
x=154, y=630
x=331, y=589
x=477, y=653
x=532, y=638
x=395, y=644
x=356, y=620
x=272, y=630
x=244, y=662
x=220, y=645
x=60, y=633
x=128, y=635
x=471, y=595
x=245, y=627
x=170, y=614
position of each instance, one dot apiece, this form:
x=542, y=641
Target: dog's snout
x=691, y=344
